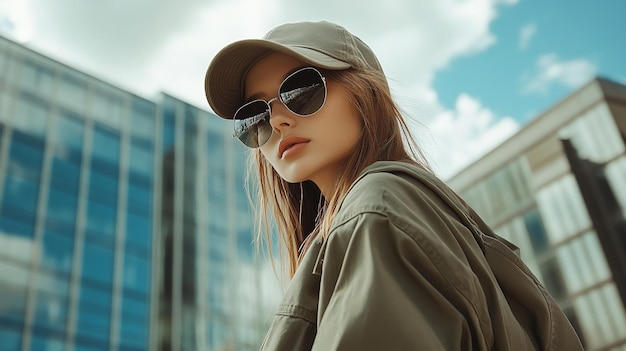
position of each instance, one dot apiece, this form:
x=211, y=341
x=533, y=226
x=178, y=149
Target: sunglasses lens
x=252, y=123
x=304, y=92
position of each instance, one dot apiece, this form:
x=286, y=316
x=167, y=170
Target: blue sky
x=593, y=31
x=469, y=73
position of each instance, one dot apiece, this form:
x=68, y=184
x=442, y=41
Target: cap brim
x=225, y=76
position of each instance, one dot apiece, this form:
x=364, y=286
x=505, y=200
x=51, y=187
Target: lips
x=288, y=142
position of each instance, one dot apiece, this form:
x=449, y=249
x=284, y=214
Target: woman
x=382, y=254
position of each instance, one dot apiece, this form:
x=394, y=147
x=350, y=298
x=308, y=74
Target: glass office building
x=557, y=189
x=123, y=222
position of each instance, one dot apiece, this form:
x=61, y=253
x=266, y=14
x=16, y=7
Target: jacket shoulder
x=398, y=196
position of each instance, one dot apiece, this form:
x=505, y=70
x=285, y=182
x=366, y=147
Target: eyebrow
x=257, y=96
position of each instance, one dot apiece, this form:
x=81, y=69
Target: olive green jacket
x=407, y=266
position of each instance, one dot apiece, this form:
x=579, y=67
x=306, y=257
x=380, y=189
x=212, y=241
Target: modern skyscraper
x=123, y=222
x=557, y=189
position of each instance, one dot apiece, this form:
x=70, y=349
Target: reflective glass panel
x=142, y=118
x=20, y=194
x=68, y=130
x=536, y=231
x=89, y=345
x=25, y=156
x=13, y=283
x=6, y=106
x=62, y=206
x=101, y=220
x=94, y=323
x=72, y=92
x=108, y=105
x=570, y=269
x=31, y=115
x=563, y=209
x=12, y=70
x=106, y=145
x=139, y=194
x=103, y=186
x=595, y=135
x=37, y=77
x=57, y=251
x=11, y=337
x=46, y=342
x=136, y=274
x=169, y=125
x=2, y=63
x=141, y=159
x=97, y=263
x=138, y=233
x=51, y=308
x=615, y=175
x=11, y=226
x=65, y=172
x=134, y=333
x=95, y=295
x=596, y=312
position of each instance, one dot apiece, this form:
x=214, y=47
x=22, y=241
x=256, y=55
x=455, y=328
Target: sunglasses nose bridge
x=281, y=117
x=270, y=101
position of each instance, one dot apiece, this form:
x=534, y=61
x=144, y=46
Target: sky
x=468, y=73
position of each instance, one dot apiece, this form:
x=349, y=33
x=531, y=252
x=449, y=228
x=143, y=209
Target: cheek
x=265, y=152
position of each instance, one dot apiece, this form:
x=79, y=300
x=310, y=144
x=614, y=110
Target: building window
x=169, y=126
x=103, y=184
x=72, y=92
x=536, y=231
x=601, y=314
x=563, y=209
x=21, y=185
x=583, y=263
x=51, y=305
x=11, y=336
x=68, y=130
x=615, y=172
x=108, y=106
x=47, y=341
x=98, y=263
x=13, y=282
x=502, y=193
x=37, y=78
x=142, y=119
x=595, y=135
x=141, y=160
x=31, y=115
x=57, y=252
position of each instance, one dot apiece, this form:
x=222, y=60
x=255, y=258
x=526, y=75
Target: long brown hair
x=300, y=211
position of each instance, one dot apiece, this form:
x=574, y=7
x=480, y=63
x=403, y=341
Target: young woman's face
x=317, y=144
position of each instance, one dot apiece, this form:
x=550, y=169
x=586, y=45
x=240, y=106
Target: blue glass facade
x=123, y=222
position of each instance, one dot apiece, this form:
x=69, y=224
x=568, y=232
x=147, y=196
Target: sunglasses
x=303, y=92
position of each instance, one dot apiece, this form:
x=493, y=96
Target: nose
x=280, y=117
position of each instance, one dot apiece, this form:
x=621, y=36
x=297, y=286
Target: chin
x=292, y=177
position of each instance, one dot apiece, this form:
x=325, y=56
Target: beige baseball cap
x=320, y=44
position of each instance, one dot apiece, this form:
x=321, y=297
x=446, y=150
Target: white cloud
x=12, y=13
x=525, y=35
x=465, y=133
x=550, y=70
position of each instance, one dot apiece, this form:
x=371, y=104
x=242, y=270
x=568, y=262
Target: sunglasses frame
x=268, y=103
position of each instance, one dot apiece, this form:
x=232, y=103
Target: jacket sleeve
x=388, y=287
